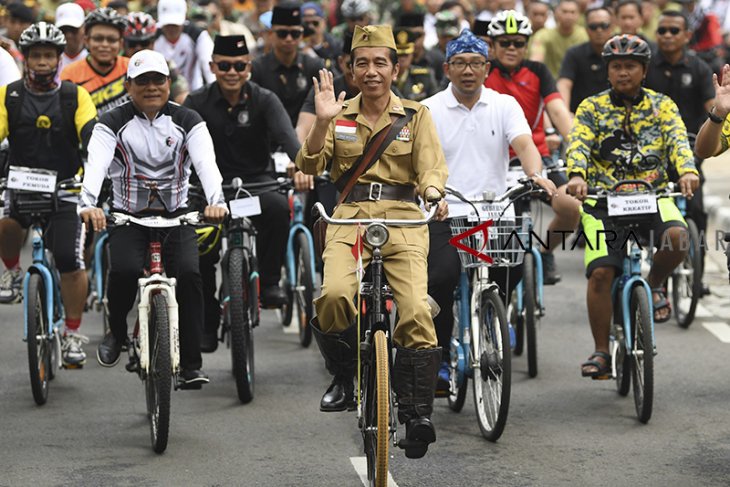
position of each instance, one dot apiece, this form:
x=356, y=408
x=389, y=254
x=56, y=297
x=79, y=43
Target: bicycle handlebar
x=157, y=221
x=602, y=193
x=319, y=210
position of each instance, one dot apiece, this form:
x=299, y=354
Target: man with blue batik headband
x=476, y=127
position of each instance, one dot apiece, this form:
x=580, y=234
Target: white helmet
x=508, y=22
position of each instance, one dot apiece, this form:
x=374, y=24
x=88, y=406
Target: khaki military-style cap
x=373, y=36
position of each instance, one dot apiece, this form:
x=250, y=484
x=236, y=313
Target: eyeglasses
x=294, y=33
x=504, y=43
x=225, y=66
x=600, y=25
x=474, y=65
x=157, y=79
x=312, y=23
x=109, y=39
x=135, y=44
x=673, y=30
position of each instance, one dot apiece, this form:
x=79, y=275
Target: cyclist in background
x=244, y=120
x=102, y=72
x=627, y=132
x=70, y=19
x=148, y=147
x=140, y=34
x=46, y=122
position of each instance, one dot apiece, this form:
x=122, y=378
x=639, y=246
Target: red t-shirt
x=533, y=87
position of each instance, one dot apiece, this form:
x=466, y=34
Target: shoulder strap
x=69, y=105
x=371, y=154
x=14, y=104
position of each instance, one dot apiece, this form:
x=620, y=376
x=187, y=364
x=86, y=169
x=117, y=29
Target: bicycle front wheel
x=240, y=325
x=529, y=299
x=39, y=348
x=304, y=294
x=158, y=381
x=457, y=394
x=376, y=432
x=642, y=366
x=491, y=364
x=687, y=280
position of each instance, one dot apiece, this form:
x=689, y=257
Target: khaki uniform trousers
x=404, y=263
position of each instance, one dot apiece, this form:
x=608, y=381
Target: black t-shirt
x=290, y=83
x=243, y=134
x=688, y=83
x=586, y=70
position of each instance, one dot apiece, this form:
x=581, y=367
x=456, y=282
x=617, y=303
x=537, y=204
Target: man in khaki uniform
x=412, y=164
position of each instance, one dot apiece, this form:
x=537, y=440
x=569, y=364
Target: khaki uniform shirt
x=415, y=157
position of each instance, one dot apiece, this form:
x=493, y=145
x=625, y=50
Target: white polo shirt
x=476, y=142
x=9, y=71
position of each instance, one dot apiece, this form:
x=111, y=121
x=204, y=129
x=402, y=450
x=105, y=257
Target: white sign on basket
x=631, y=205
x=245, y=207
x=281, y=162
x=27, y=179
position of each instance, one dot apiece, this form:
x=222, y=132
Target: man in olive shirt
x=550, y=45
x=243, y=120
x=285, y=70
x=412, y=164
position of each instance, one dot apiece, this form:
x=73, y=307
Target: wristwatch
x=550, y=131
x=714, y=118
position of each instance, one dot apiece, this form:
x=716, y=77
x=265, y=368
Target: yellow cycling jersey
x=725, y=137
x=610, y=142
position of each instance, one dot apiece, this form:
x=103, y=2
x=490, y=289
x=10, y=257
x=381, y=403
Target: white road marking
x=288, y=330
x=720, y=329
x=702, y=312
x=361, y=467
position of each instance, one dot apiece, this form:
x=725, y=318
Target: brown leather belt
x=377, y=191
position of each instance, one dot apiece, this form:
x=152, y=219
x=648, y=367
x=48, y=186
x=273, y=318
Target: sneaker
x=71, y=352
x=109, y=351
x=192, y=379
x=550, y=274
x=273, y=297
x=11, y=286
x=443, y=382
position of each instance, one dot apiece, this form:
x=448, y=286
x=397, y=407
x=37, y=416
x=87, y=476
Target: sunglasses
x=312, y=23
x=157, y=79
x=504, y=43
x=225, y=66
x=283, y=33
x=673, y=30
x=600, y=25
x=109, y=39
x=66, y=29
x=134, y=44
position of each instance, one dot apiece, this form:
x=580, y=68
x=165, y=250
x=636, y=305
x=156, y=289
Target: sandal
x=660, y=304
x=602, y=363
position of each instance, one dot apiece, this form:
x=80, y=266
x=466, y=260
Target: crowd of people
x=151, y=93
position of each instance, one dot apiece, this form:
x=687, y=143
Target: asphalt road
x=562, y=429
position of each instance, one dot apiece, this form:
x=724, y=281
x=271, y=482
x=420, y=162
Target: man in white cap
x=188, y=46
x=148, y=148
x=70, y=19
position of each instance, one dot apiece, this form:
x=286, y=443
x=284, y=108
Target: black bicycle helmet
x=41, y=33
x=105, y=16
x=627, y=46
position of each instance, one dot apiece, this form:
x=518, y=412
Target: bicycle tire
x=103, y=294
x=529, y=299
x=457, y=396
x=643, y=354
x=158, y=381
x=687, y=279
x=493, y=371
x=240, y=325
x=254, y=291
x=517, y=320
x=39, y=349
x=287, y=309
x=380, y=411
x=304, y=288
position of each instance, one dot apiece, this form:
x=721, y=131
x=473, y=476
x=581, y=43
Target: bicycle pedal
x=73, y=366
x=602, y=377
x=132, y=366
x=184, y=386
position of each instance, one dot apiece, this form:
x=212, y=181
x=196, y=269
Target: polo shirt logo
x=686, y=79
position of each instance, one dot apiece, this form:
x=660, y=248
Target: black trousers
x=444, y=268
x=128, y=251
x=272, y=227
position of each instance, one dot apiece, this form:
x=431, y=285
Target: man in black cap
x=20, y=17
x=285, y=70
x=244, y=120
x=414, y=82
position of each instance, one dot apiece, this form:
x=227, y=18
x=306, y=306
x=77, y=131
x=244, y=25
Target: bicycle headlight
x=376, y=235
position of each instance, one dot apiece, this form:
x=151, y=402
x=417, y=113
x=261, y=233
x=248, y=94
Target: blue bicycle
x=43, y=311
x=686, y=279
x=632, y=341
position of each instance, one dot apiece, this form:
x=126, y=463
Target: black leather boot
x=414, y=382
x=340, y=353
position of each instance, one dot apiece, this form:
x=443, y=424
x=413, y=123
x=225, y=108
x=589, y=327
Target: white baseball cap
x=171, y=12
x=69, y=15
x=146, y=61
